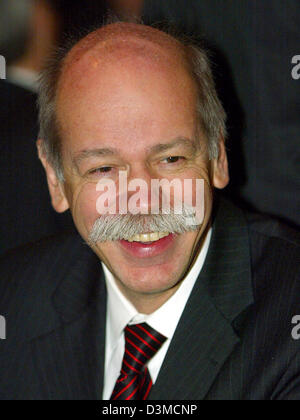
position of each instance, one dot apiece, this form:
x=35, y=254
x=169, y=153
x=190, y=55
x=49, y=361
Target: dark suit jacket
x=233, y=340
x=26, y=213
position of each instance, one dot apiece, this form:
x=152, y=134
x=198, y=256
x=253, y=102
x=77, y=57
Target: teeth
x=148, y=237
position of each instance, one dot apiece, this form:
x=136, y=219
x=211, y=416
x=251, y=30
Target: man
x=175, y=310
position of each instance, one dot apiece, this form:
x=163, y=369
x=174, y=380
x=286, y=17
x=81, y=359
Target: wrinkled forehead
x=122, y=42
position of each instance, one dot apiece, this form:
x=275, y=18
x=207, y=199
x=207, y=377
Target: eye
x=173, y=159
x=101, y=171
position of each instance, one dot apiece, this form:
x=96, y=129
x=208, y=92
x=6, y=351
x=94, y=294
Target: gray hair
x=212, y=116
x=15, y=18
x=118, y=226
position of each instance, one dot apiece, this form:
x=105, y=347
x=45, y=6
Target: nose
x=139, y=190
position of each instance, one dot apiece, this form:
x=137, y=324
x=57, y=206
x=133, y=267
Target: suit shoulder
x=270, y=227
x=30, y=278
x=38, y=262
x=275, y=258
x=43, y=249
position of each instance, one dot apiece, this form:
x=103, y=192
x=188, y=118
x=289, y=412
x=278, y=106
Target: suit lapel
x=70, y=358
x=202, y=343
x=205, y=336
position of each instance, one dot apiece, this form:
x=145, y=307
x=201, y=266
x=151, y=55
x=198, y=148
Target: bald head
x=124, y=50
x=109, y=58
x=123, y=34
x=123, y=42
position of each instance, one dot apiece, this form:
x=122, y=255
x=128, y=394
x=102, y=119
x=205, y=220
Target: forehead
x=119, y=84
x=122, y=37
x=131, y=44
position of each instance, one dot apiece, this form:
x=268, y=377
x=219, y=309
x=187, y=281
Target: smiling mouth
x=148, y=238
x=141, y=246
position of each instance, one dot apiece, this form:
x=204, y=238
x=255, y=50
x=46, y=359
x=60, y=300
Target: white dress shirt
x=27, y=79
x=121, y=312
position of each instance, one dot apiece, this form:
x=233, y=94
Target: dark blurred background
x=251, y=43
x=29, y=30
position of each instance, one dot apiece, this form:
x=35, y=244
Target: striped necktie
x=141, y=343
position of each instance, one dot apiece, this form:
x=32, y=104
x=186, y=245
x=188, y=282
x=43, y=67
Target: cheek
x=196, y=188
x=84, y=206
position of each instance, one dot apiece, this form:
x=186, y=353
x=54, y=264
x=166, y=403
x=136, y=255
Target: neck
x=147, y=303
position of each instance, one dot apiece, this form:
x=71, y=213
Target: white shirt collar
x=121, y=312
x=27, y=79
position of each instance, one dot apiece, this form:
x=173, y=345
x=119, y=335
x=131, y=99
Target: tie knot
x=141, y=343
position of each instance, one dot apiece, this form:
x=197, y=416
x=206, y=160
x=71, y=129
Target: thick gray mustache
x=117, y=227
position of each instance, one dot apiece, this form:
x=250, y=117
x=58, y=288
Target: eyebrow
x=179, y=141
x=158, y=148
x=85, y=154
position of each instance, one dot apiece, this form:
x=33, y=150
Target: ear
x=58, y=198
x=220, y=167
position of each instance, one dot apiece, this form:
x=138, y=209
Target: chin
x=148, y=268
x=151, y=279
x=150, y=285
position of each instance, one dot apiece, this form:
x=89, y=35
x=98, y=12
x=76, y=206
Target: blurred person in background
x=29, y=29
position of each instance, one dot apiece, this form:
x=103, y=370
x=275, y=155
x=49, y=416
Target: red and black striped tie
x=141, y=343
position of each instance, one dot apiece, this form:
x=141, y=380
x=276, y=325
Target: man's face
x=135, y=115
